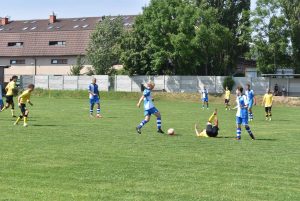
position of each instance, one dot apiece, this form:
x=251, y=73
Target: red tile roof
x=36, y=34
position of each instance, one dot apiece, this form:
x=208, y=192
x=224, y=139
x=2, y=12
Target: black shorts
x=10, y=99
x=23, y=109
x=212, y=131
x=268, y=109
x=227, y=101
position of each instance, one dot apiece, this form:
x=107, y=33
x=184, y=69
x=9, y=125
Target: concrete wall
x=183, y=84
x=64, y=82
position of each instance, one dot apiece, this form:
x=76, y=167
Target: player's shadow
x=45, y=125
x=224, y=137
x=266, y=139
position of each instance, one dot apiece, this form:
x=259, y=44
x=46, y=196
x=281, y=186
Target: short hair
x=30, y=86
x=14, y=77
x=248, y=85
x=240, y=88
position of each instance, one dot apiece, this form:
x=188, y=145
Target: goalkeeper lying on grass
x=211, y=127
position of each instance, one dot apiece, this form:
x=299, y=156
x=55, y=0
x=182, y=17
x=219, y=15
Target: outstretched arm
x=140, y=101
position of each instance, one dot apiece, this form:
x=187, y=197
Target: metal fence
x=181, y=84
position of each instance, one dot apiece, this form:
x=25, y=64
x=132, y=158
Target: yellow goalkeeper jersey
x=268, y=100
x=227, y=94
x=10, y=88
x=25, y=97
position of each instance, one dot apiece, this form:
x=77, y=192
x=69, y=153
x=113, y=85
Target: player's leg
x=92, y=104
x=13, y=109
x=267, y=113
x=7, y=104
x=26, y=118
x=143, y=123
x=250, y=111
x=248, y=129
x=158, y=122
x=22, y=108
x=238, y=128
x=97, y=101
x=207, y=104
x=270, y=113
x=203, y=104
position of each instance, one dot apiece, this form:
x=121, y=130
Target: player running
x=10, y=92
x=149, y=109
x=242, y=114
x=268, y=102
x=227, y=99
x=204, y=94
x=212, y=127
x=94, y=98
x=22, y=100
x=251, y=100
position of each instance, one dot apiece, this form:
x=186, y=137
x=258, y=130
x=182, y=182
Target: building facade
x=48, y=46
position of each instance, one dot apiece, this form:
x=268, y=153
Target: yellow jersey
x=25, y=97
x=11, y=86
x=227, y=94
x=268, y=100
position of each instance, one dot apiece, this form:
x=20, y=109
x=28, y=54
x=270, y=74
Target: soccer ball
x=171, y=131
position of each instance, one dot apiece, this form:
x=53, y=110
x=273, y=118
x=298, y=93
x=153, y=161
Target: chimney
x=4, y=21
x=52, y=18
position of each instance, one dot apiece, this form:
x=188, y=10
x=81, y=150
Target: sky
x=41, y=9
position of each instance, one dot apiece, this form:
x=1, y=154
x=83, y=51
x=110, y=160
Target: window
x=59, y=61
x=85, y=26
x=75, y=27
x=33, y=28
x=57, y=43
x=17, y=61
x=25, y=28
x=15, y=44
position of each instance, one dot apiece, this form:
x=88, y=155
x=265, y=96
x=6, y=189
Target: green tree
x=104, y=48
x=170, y=38
x=291, y=10
x=271, y=37
x=76, y=69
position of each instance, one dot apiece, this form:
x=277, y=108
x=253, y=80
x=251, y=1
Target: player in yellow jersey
x=212, y=127
x=22, y=100
x=227, y=99
x=268, y=102
x=11, y=90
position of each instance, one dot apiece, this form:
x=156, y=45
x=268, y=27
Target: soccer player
x=22, y=100
x=211, y=130
x=251, y=100
x=149, y=109
x=268, y=102
x=10, y=92
x=204, y=94
x=227, y=99
x=94, y=98
x=242, y=114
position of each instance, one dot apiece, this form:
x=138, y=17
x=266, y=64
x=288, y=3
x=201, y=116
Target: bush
x=228, y=82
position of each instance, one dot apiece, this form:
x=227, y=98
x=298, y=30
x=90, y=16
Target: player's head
x=150, y=85
x=30, y=87
x=226, y=88
x=248, y=86
x=94, y=80
x=239, y=90
x=268, y=91
x=14, y=78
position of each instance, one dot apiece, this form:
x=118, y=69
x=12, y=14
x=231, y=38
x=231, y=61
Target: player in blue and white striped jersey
x=251, y=100
x=242, y=114
x=149, y=109
x=94, y=98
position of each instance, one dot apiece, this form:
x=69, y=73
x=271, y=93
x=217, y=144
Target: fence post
x=63, y=82
x=131, y=83
x=287, y=87
x=215, y=85
x=77, y=83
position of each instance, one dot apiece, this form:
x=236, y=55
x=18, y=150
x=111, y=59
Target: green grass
x=65, y=155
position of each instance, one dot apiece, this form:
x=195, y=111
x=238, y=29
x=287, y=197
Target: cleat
x=25, y=125
x=267, y=118
x=270, y=119
x=138, y=130
x=160, y=131
x=237, y=138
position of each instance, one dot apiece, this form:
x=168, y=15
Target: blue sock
x=142, y=124
x=238, y=133
x=158, y=122
x=98, y=111
x=250, y=132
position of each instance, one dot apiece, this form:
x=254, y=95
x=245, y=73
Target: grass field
x=65, y=155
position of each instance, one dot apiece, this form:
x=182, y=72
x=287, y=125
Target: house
x=46, y=46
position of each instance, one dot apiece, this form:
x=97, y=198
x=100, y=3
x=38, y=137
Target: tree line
x=199, y=37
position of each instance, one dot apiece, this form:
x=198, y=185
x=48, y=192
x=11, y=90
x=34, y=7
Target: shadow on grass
x=45, y=125
x=265, y=139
